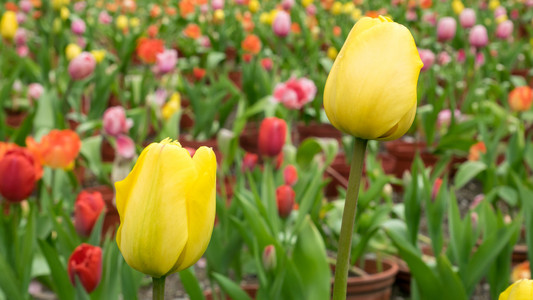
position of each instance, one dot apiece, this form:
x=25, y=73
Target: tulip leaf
x=61, y=282
x=96, y=233
x=8, y=281
x=467, y=172
x=25, y=254
x=454, y=287
x=111, y=266
x=309, y=257
x=233, y=290
x=191, y=284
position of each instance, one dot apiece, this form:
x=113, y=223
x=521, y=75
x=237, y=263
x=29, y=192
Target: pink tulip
x=166, y=61
x=504, y=30
x=478, y=36
x=529, y=3
x=35, y=90
x=411, y=15
x=461, y=56
x=282, y=24
x=287, y=4
x=125, y=146
x=115, y=122
x=443, y=58
x=82, y=66
x=311, y=9
x=480, y=59
x=21, y=36
x=217, y=4
x=446, y=29
x=444, y=117
x=430, y=18
x=286, y=96
x=21, y=17
x=105, y=18
x=500, y=11
x=428, y=58
x=78, y=27
x=25, y=5
x=467, y=18
x=204, y=41
x=80, y=6
x=23, y=51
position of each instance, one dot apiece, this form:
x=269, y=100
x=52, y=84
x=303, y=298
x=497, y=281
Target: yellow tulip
x=167, y=208
x=457, y=6
x=172, y=106
x=493, y=4
x=348, y=8
x=64, y=13
x=264, y=18
x=501, y=19
x=356, y=14
x=520, y=290
x=8, y=25
x=332, y=53
x=122, y=22
x=254, y=6
x=336, y=8
x=218, y=16
x=135, y=22
x=72, y=51
x=370, y=92
x=99, y=55
x=306, y=3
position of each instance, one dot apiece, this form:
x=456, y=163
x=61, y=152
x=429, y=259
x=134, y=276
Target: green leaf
x=8, y=281
x=309, y=257
x=96, y=234
x=191, y=284
x=214, y=58
x=467, y=172
x=233, y=290
x=61, y=282
x=454, y=287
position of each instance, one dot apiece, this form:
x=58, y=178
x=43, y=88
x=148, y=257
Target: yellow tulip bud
x=218, y=16
x=167, y=208
x=64, y=13
x=520, y=290
x=72, y=51
x=348, y=7
x=336, y=8
x=122, y=22
x=172, y=106
x=135, y=22
x=272, y=16
x=356, y=14
x=57, y=4
x=493, y=4
x=8, y=25
x=99, y=55
x=332, y=53
x=370, y=92
x=254, y=6
x=457, y=6
x=501, y=19
x=306, y=3
x=264, y=18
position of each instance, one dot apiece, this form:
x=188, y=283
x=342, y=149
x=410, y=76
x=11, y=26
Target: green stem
x=348, y=219
x=158, y=288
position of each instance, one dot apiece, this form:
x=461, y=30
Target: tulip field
x=276, y=149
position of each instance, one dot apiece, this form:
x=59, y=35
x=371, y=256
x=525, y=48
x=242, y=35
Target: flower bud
x=446, y=29
x=266, y=63
x=379, y=100
x=78, y=27
x=520, y=290
x=115, y=121
x=72, y=51
x=269, y=258
x=282, y=24
x=287, y=4
x=249, y=161
x=520, y=98
x=504, y=30
x=85, y=263
x=436, y=188
x=35, y=90
x=290, y=175
x=467, y=18
x=105, y=18
x=87, y=209
x=18, y=174
x=166, y=61
x=285, y=200
x=217, y=4
x=478, y=36
x=25, y=5
x=272, y=134
x=21, y=37
x=428, y=58
x=125, y=146
x=8, y=25
x=82, y=66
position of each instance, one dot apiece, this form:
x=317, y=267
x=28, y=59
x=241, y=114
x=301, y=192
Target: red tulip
x=87, y=209
x=249, y=161
x=18, y=174
x=272, y=136
x=290, y=175
x=85, y=263
x=285, y=200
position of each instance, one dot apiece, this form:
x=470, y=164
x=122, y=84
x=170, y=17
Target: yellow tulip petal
x=153, y=208
x=520, y=290
x=371, y=87
x=201, y=206
x=401, y=128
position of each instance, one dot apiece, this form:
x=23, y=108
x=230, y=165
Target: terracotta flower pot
x=248, y=138
x=15, y=118
x=404, y=153
x=107, y=151
x=250, y=289
x=185, y=141
x=318, y=130
x=375, y=286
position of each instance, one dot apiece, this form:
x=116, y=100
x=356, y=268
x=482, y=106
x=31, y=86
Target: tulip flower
x=520, y=98
x=520, y=290
x=282, y=24
x=251, y=44
x=269, y=258
x=172, y=106
x=478, y=36
x=125, y=146
x=115, y=121
x=166, y=61
x=35, y=90
x=19, y=171
x=72, y=51
x=78, y=27
x=87, y=209
x=285, y=200
x=290, y=175
x=467, y=18
x=85, y=263
x=147, y=49
x=82, y=66
x=8, y=25
x=446, y=29
x=167, y=208
x=476, y=150
x=371, y=89
x=57, y=149
x=272, y=133
x=249, y=161
x=504, y=30
x=428, y=58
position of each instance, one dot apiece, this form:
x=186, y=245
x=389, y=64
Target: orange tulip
x=476, y=150
x=520, y=98
x=251, y=44
x=186, y=7
x=147, y=49
x=192, y=31
x=57, y=149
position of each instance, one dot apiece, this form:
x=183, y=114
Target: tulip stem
x=158, y=288
x=348, y=219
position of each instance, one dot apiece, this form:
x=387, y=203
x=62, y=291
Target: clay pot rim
x=380, y=276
